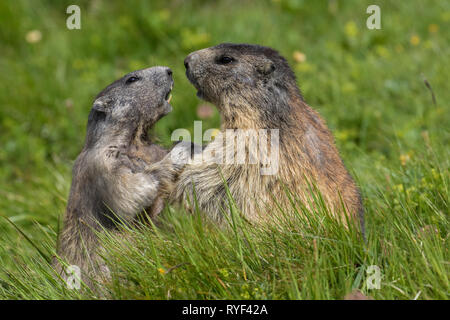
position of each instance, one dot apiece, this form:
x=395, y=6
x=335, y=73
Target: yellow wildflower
x=382, y=51
x=299, y=57
x=415, y=40
x=435, y=174
x=33, y=36
x=351, y=30
x=410, y=191
x=433, y=28
x=404, y=158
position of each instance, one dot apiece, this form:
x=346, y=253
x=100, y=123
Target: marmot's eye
x=131, y=79
x=225, y=60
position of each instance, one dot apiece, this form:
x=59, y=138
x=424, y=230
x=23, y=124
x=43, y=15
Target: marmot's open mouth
x=168, y=96
x=194, y=82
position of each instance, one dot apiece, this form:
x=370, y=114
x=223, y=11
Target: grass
x=368, y=85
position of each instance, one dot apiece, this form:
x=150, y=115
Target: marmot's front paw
x=181, y=154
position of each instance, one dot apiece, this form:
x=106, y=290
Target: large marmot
x=254, y=88
x=119, y=172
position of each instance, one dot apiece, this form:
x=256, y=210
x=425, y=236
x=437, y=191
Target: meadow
x=384, y=94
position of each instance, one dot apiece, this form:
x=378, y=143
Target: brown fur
x=258, y=90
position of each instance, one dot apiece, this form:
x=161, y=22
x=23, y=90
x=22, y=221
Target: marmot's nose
x=186, y=62
x=190, y=59
x=169, y=72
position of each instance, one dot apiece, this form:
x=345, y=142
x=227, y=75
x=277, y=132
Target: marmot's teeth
x=170, y=98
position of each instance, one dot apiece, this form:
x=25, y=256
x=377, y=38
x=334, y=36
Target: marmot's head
x=231, y=75
x=140, y=97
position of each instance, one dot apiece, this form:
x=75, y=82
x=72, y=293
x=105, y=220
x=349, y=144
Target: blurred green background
x=367, y=84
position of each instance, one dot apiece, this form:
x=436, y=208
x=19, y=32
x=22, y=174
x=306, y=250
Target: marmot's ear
x=266, y=67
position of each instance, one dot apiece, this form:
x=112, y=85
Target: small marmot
x=254, y=88
x=119, y=173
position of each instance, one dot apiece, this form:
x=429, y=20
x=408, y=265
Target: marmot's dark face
x=241, y=74
x=141, y=96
